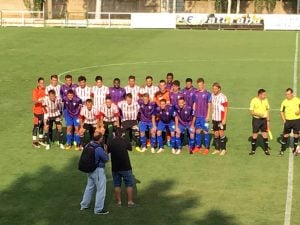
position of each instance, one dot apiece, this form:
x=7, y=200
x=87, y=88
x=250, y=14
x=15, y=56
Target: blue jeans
x=95, y=180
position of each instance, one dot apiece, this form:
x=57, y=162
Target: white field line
x=289, y=194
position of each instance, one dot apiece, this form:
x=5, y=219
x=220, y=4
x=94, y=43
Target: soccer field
x=41, y=187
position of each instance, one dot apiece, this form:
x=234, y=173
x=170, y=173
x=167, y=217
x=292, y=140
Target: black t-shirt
x=118, y=147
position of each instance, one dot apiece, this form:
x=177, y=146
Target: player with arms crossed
x=184, y=121
x=202, y=107
x=188, y=92
x=132, y=88
x=83, y=91
x=147, y=122
x=38, y=95
x=129, y=113
x=219, y=118
x=260, y=111
x=53, y=109
x=165, y=115
x=290, y=114
x=72, y=106
x=175, y=94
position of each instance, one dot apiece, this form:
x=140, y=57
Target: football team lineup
x=199, y=188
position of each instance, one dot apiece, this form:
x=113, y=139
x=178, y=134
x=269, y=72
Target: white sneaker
x=47, y=147
x=61, y=146
x=178, y=152
x=153, y=150
x=160, y=150
x=144, y=149
x=173, y=151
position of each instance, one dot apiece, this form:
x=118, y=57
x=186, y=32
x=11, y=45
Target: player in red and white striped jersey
x=83, y=91
x=219, y=116
x=129, y=113
x=53, y=112
x=99, y=92
x=132, y=88
x=88, y=120
x=109, y=117
x=149, y=88
x=53, y=86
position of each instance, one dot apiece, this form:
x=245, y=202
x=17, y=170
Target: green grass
x=39, y=187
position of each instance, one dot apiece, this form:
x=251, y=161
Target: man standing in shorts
x=118, y=147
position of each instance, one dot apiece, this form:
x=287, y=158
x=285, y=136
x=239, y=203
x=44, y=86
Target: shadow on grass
x=52, y=197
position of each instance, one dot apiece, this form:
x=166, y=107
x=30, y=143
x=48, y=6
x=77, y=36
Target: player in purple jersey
x=67, y=86
x=202, y=107
x=72, y=106
x=165, y=113
x=184, y=120
x=175, y=94
x=188, y=92
x=169, y=79
x=147, y=121
x=116, y=92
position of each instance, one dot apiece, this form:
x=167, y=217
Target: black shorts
x=128, y=124
x=259, y=124
x=55, y=119
x=89, y=127
x=217, y=125
x=291, y=125
x=38, y=119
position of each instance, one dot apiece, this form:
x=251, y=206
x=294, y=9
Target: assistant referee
x=259, y=108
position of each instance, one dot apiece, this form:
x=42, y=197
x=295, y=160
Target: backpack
x=87, y=162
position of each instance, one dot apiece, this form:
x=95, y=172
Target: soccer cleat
x=160, y=150
x=148, y=143
x=191, y=151
x=206, y=152
x=36, y=145
x=267, y=152
x=223, y=152
x=178, y=152
x=173, y=151
x=102, y=212
x=68, y=147
x=47, y=147
x=169, y=143
x=77, y=148
x=138, y=149
x=215, y=152
x=252, y=152
x=144, y=149
x=153, y=150
x=61, y=146
x=281, y=153
x=197, y=149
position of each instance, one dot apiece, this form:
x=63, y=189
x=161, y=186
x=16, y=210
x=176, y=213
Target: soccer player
x=169, y=79
x=202, y=107
x=149, y=88
x=68, y=85
x=99, y=92
x=259, y=108
x=175, y=94
x=290, y=114
x=54, y=86
x=219, y=117
x=147, y=111
x=109, y=117
x=129, y=113
x=166, y=115
x=116, y=92
x=88, y=120
x=188, y=92
x=53, y=109
x=132, y=88
x=83, y=91
x=163, y=93
x=184, y=121
x=38, y=95
x=72, y=106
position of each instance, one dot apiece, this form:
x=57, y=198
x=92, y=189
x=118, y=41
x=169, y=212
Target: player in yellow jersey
x=259, y=108
x=290, y=114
